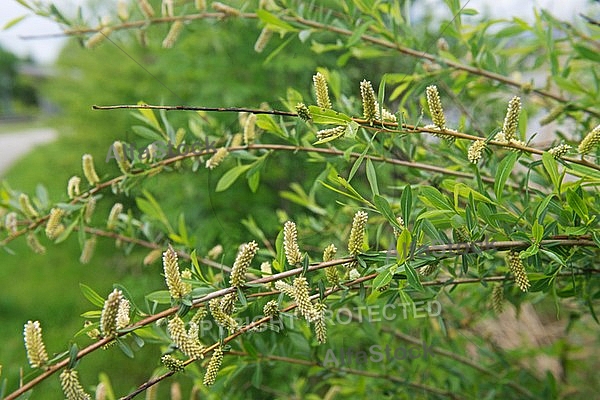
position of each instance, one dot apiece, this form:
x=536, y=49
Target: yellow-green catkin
x=476, y=151
x=398, y=231
x=123, y=318
x=228, y=303
x=223, y=319
x=200, y=5
x=54, y=227
x=428, y=269
x=34, y=244
x=271, y=309
x=357, y=232
x=369, y=101
x=215, y=252
x=173, y=34
x=515, y=264
x=331, y=273
x=250, y=129
x=71, y=387
x=225, y=9
x=146, y=8
x=123, y=10
x=320, y=323
x=98, y=37
x=435, y=107
x=302, y=299
x=108, y=317
x=217, y=158
x=177, y=288
x=172, y=363
x=88, y=250
x=166, y=8
x=113, y=216
x=590, y=141
x=353, y=274
x=122, y=161
x=242, y=262
x=36, y=350
x=90, y=206
x=11, y=223
x=199, y=315
x=89, y=171
x=303, y=111
x=552, y=115
x=73, y=187
x=331, y=133
x=290, y=243
x=321, y=90
x=559, y=151
x=26, y=207
x=263, y=39
x=498, y=299
x=214, y=365
x=191, y=347
x=285, y=288
x=511, y=120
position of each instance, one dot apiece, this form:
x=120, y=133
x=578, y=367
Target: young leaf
x=91, y=295
x=503, y=172
x=230, y=177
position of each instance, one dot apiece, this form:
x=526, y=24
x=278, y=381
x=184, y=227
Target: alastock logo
x=348, y=356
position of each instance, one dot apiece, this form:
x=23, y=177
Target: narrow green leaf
x=160, y=297
x=537, y=231
x=14, y=21
x=385, y=209
x=274, y=23
x=372, y=177
x=577, y=204
x=328, y=116
x=403, y=246
x=413, y=277
x=384, y=277
x=91, y=295
x=433, y=198
x=551, y=167
x=503, y=172
x=230, y=177
x=406, y=203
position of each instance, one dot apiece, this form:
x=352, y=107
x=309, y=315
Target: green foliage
x=433, y=230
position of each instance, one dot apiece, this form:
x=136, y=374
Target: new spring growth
x=34, y=244
x=113, y=216
x=108, y=318
x=123, y=318
x=88, y=250
x=435, y=107
x=223, y=319
x=242, y=262
x=559, y=151
x=89, y=171
x=200, y=5
x=98, y=37
x=331, y=273
x=321, y=90
x=73, y=187
x=271, y=309
x=225, y=9
x=498, y=298
x=331, y=133
x=285, y=288
x=476, y=151
x=122, y=160
x=320, y=324
x=249, y=129
x=146, y=8
x=11, y=223
x=511, y=120
x=90, y=206
x=228, y=303
x=72, y=389
x=173, y=34
x=213, y=366
x=302, y=298
x=290, y=243
x=53, y=227
x=172, y=363
x=357, y=232
x=515, y=265
x=36, y=351
x=590, y=141
x=122, y=10
x=303, y=111
x=26, y=207
x=166, y=8
x=398, y=231
x=217, y=158
x=263, y=39
x=266, y=270
x=189, y=346
x=369, y=101
x=177, y=288
x=428, y=269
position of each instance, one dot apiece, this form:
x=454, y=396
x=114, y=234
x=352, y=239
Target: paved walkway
x=13, y=146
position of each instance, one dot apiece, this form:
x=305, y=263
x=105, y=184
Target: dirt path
x=13, y=146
